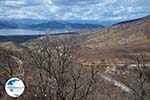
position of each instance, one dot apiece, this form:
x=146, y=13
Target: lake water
x=29, y=32
x=19, y=32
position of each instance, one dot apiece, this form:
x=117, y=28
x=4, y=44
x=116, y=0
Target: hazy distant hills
x=6, y=26
x=21, y=22
x=66, y=25
x=44, y=25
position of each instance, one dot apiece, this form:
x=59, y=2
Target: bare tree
x=143, y=74
x=140, y=81
x=61, y=76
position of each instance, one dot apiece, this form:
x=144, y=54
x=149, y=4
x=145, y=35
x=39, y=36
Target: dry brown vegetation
x=86, y=66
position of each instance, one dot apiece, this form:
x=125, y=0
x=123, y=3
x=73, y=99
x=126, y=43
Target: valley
x=116, y=58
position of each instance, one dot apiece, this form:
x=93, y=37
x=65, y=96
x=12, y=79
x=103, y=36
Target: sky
x=100, y=10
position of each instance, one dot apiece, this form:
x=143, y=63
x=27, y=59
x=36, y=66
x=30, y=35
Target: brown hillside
x=118, y=43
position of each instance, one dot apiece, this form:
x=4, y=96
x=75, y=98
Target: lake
x=5, y=32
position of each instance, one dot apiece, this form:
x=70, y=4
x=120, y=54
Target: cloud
x=74, y=9
x=75, y=2
x=23, y=3
x=21, y=14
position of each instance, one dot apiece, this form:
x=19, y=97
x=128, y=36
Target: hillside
x=121, y=34
x=118, y=41
x=13, y=46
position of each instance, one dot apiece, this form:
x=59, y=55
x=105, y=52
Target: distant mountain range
x=44, y=25
x=66, y=25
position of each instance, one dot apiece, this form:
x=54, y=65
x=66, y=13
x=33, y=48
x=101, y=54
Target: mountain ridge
x=43, y=25
x=133, y=20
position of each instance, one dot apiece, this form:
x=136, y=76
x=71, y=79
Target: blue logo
x=14, y=87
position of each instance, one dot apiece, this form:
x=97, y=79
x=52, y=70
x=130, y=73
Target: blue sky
x=101, y=10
